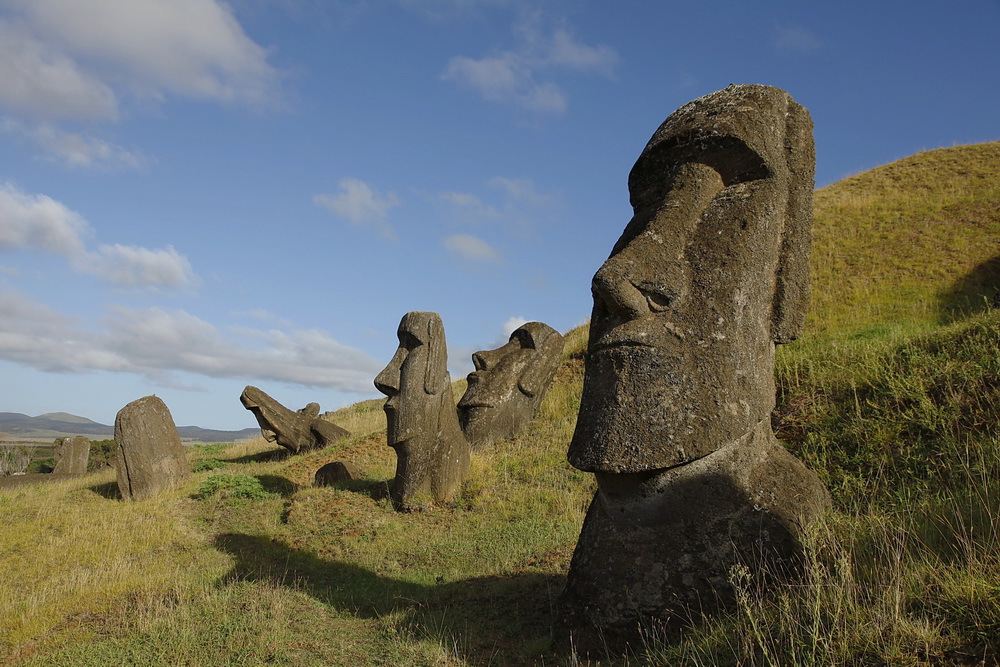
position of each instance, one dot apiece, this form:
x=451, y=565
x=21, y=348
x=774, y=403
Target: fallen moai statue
x=710, y=274
x=150, y=456
x=72, y=455
x=294, y=430
x=432, y=455
x=508, y=385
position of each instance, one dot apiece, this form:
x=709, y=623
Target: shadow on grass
x=274, y=484
x=486, y=619
x=277, y=454
x=108, y=490
x=972, y=293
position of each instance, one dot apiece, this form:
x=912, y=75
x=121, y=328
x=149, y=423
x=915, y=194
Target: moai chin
x=421, y=419
x=296, y=431
x=508, y=385
x=710, y=274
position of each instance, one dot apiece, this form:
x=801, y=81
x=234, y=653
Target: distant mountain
x=60, y=424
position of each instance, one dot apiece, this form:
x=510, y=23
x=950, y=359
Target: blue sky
x=197, y=195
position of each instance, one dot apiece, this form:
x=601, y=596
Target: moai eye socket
x=657, y=301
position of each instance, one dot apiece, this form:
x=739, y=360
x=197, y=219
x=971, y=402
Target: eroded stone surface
x=72, y=456
x=508, y=385
x=710, y=274
x=336, y=472
x=150, y=456
x=294, y=430
x=432, y=455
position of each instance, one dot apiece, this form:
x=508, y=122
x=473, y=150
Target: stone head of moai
x=509, y=383
x=421, y=418
x=710, y=273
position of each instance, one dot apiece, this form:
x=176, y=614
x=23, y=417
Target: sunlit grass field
x=892, y=396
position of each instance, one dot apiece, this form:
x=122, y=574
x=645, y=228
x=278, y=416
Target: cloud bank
x=38, y=222
x=155, y=343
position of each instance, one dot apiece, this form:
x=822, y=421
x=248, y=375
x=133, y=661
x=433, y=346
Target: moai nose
x=612, y=286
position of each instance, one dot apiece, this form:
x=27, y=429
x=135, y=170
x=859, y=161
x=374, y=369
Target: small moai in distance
x=432, y=455
x=508, y=385
x=150, y=456
x=297, y=431
x=708, y=276
x=72, y=456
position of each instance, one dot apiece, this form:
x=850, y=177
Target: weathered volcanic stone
x=336, y=472
x=432, y=455
x=294, y=430
x=710, y=274
x=151, y=458
x=508, y=385
x=72, y=455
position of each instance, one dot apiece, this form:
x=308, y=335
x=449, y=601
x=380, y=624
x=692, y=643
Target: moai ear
x=437, y=356
x=538, y=373
x=791, y=290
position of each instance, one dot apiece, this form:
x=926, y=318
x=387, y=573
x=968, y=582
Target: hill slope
x=916, y=240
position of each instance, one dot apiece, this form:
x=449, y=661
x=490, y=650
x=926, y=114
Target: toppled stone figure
x=710, y=274
x=150, y=456
x=72, y=455
x=508, y=385
x=432, y=455
x=294, y=430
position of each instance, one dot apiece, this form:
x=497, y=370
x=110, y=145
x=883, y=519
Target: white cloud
x=507, y=79
x=37, y=79
x=192, y=48
x=156, y=343
x=522, y=191
x=797, y=38
x=467, y=207
x=471, y=248
x=361, y=205
x=566, y=51
x=40, y=223
x=131, y=266
x=74, y=149
x=512, y=77
x=517, y=205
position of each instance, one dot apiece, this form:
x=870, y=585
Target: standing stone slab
x=710, y=274
x=432, y=455
x=72, y=456
x=509, y=383
x=150, y=456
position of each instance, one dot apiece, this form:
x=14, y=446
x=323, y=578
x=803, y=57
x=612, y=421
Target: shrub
x=233, y=487
x=207, y=464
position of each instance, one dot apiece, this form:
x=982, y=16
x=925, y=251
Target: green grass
x=892, y=396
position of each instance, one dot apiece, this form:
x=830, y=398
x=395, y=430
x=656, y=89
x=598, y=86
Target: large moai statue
x=72, y=456
x=294, y=430
x=710, y=274
x=432, y=455
x=508, y=385
x=150, y=456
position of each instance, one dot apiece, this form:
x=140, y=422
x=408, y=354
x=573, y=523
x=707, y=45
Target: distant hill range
x=15, y=426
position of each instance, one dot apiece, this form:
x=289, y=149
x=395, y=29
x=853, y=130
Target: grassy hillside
x=915, y=241
x=896, y=408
